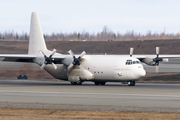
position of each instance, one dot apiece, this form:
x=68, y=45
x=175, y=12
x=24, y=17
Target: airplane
x=80, y=68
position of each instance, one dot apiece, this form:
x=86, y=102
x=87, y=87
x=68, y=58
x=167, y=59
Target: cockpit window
x=130, y=62
x=137, y=62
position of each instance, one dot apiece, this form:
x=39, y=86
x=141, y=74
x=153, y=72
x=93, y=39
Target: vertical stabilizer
x=36, y=39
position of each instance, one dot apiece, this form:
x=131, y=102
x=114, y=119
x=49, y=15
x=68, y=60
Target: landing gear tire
x=79, y=83
x=76, y=83
x=96, y=83
x=131, y=83
x=73, y=83
x=99, y=83
x=102, y=83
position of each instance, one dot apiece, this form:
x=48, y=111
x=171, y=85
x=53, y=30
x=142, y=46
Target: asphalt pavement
x=113, y=96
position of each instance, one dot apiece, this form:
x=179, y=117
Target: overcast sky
x=92, y=15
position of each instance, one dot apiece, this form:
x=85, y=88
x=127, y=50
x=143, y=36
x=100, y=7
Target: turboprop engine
x=74, y=74
x=155, y=61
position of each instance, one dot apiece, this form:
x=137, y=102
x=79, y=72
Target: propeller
x=157, y=59
x=48, y=60
x=76, y=60
x=131, y=51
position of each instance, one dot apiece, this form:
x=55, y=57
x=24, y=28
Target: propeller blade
x=71, y=53
x=53, y=52
x=82, y=54
x=157, y=50
x=81, y=67
x=42, y=66
x=165, y=60
x=131, y=51
x=70, y=66
x=55, y=67
x=76, y=60
x=157, y=68
x=42, y=52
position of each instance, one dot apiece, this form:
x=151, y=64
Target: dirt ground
x=29, y=114
x=96, y=47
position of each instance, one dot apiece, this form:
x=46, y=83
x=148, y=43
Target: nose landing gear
x=131, y=83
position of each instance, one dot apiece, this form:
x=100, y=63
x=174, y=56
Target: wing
x=25, y=57
x=153, y=56
x=17, y=57
x=151, y=59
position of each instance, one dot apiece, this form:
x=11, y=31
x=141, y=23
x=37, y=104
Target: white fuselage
x=104, y=68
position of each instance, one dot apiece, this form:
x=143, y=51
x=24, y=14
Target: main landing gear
x=76, y=83
x=99, y=83
x=131, y=83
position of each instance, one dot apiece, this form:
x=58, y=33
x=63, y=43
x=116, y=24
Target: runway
x=113, y=96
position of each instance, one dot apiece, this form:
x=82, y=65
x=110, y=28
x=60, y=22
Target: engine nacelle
x=39, y=60
x=150, y=61
x=67, y=61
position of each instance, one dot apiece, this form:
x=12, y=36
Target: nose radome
x=143, y=72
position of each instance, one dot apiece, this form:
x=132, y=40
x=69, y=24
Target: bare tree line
x=105, y=35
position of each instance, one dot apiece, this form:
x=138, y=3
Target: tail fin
x=36, y=40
